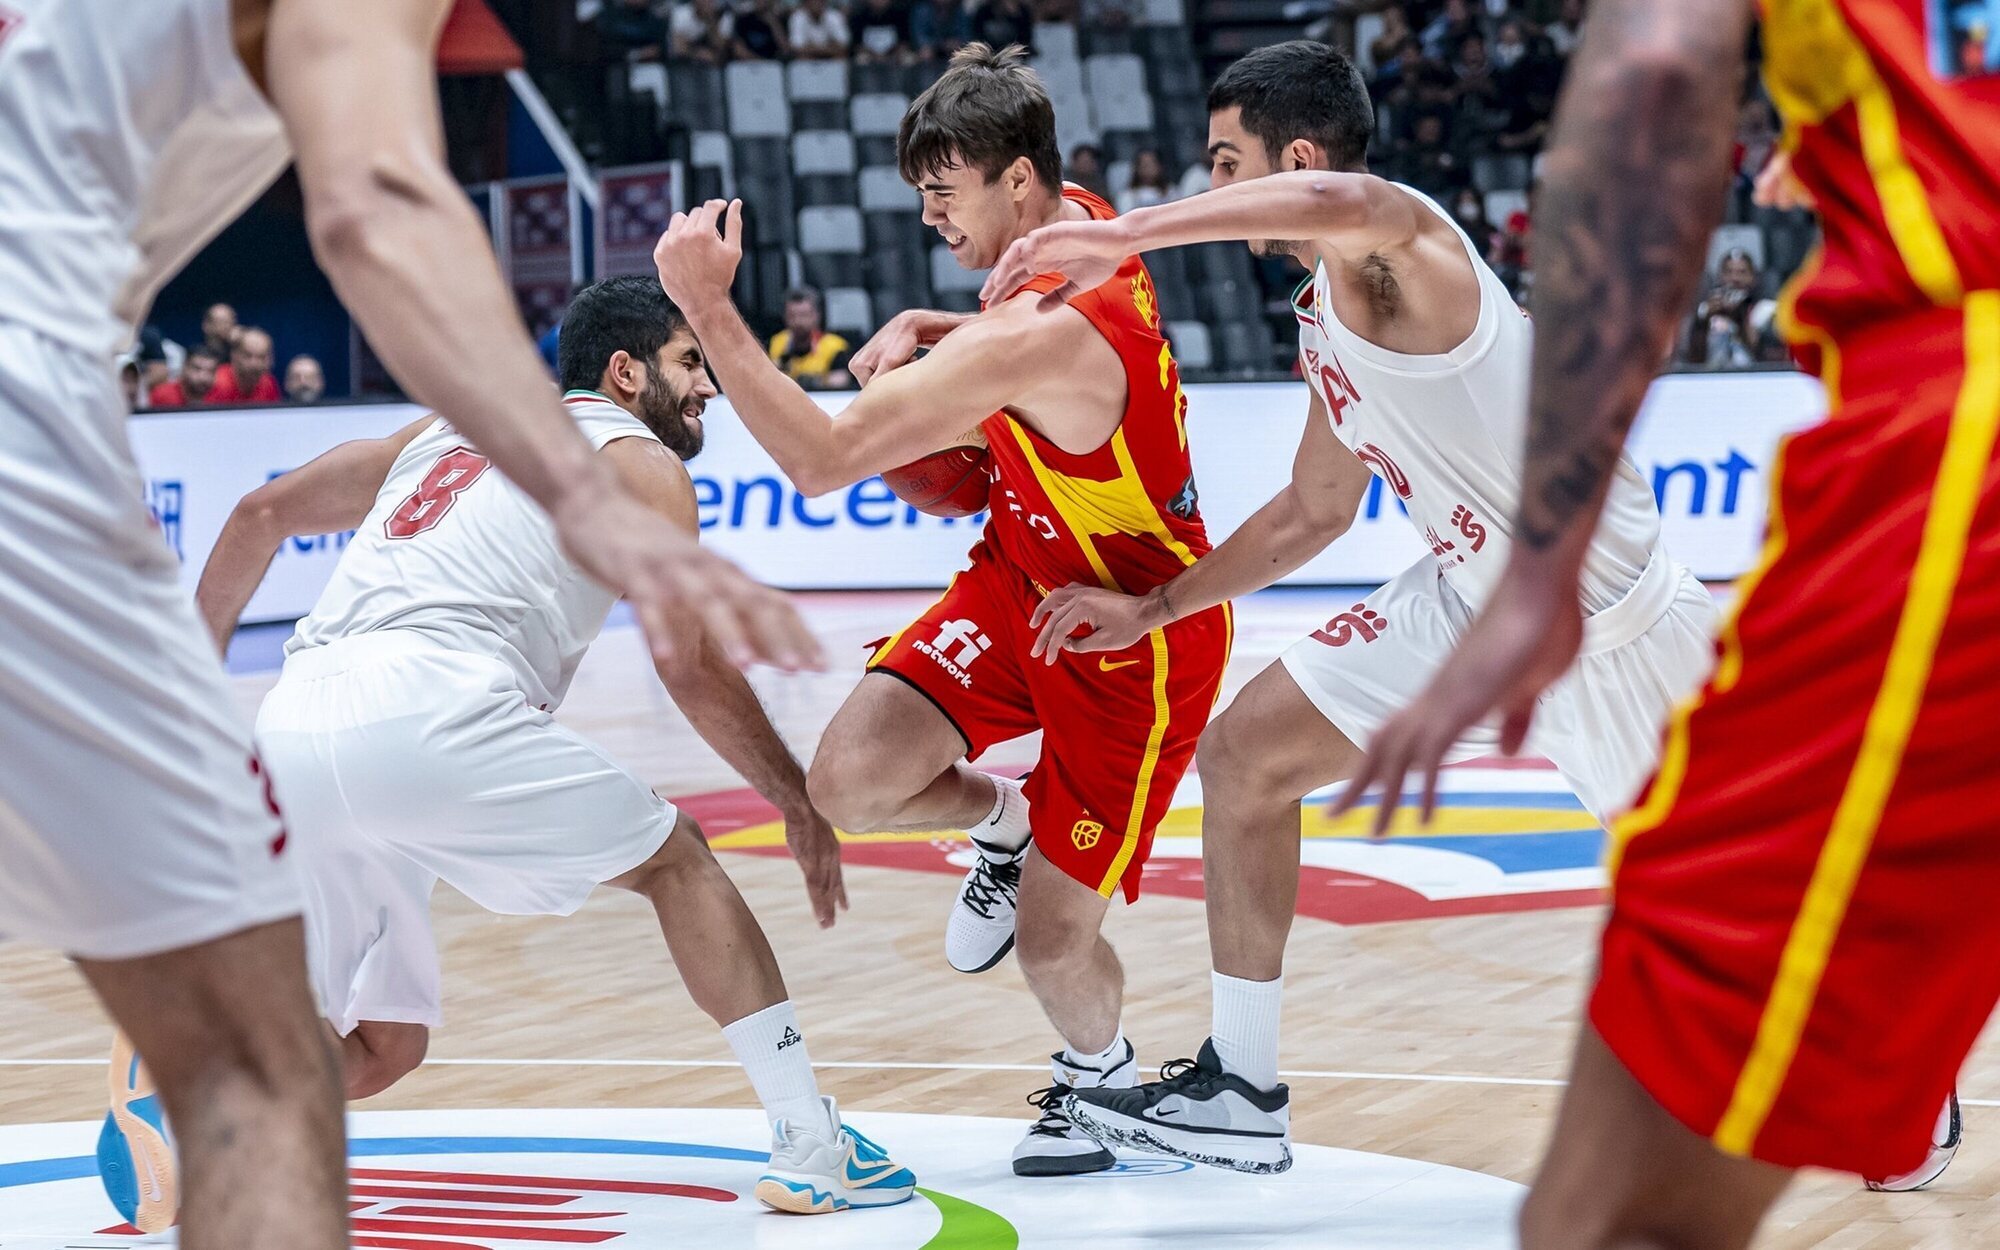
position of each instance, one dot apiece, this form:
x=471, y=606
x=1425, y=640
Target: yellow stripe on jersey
x=1142, y=792
x=1955, y=498
x=1814, y=66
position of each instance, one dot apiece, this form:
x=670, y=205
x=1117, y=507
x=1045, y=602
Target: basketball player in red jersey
x=1083, y=411
x=1788, y=977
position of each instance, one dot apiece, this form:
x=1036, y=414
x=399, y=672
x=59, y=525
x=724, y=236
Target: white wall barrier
x=1703, y=441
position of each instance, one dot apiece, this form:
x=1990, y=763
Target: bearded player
x=1798, y=956
x=134, y=832
x=411, y=736
x=1090, y=481
x=1417, y=361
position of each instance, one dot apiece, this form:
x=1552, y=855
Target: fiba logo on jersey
x=958, y=643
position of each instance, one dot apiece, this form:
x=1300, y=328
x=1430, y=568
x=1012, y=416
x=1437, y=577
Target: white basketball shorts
x=132, y=820
x=400, y=764
x=1600, y=724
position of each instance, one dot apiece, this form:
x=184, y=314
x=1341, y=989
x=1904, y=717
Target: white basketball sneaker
x=810, y=1175
x=981, y=929
x=1944, y=1144
x=1195, y=1111
x=1056, y=1147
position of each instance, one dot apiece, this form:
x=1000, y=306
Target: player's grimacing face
x=975, y=217
x=678, y=389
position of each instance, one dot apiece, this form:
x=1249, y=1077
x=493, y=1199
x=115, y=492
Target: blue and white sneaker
x=810, y=1175
x=135, y=1158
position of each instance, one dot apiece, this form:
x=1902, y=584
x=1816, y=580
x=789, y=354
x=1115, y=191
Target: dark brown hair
x=1300, y=90
x=987, y=111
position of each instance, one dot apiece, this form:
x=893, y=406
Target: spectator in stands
x=632, y=29
x=811, y=354
x=999, y=23
x=760, y=32
x=128, y=382
x=218, y=330
x=1732, y=325
x=1429, y=158
x=1446, y=33
x=882, y=33
x=702, y=30
x=1476, y=91
x=1061, y=12
x=1149, y=185
x=1567, y=29
x=155, y=364
x=247, y=379
x=305, y=381
x=1389, y=43
x=1756, y=139
x=938, y=28
x=1468, y=209
x=1110, y=14
x=1086, y=169
x=819, y=32
x=196, y=381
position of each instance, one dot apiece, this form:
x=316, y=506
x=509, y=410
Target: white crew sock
x=1090, y=1071
x=772, y=1050
x=1245, y=1027
x=1006, y=825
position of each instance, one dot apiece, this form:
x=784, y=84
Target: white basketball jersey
x=130, y=135
x=1448, y=435
x=456, y=553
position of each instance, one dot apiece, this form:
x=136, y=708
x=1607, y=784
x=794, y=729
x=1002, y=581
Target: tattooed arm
x=1634, y=183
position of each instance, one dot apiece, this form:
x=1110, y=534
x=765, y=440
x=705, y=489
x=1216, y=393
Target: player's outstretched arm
x=719, y=702
x=1315, y=507
x=356, y=85
x=989, y=362
x=1635, y=176
x=1348, y=210
x=324, y=496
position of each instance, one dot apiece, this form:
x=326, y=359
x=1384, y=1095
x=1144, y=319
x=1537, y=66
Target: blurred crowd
x=902, y=32
x=231, y=364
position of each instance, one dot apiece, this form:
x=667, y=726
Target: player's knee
x=839, y=785
x=1046, y=944
x=682, y=858
x=380, y=1053
x=1222, y=758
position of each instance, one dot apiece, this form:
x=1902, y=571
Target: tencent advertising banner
x=1704, y=442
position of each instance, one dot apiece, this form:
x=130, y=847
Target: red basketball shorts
x=1805, y=934
x=1119, y=727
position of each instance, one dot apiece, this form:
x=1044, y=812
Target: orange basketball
x=952, y=482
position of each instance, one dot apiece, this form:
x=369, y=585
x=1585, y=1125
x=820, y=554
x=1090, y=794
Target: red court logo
x=1361, y=622
x=399, y=1209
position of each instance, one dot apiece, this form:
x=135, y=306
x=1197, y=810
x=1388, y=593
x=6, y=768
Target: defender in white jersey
x=135, y=832
x=412, y=740
x=1417, y=359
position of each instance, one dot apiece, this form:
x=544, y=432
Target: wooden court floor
x=1442, y=1039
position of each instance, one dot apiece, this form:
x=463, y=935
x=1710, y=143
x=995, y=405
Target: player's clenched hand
x=816, y=847
x=679, y=591
x=1525, y=639
x=1115, y=620
x=697, y=263
x=1087, y=253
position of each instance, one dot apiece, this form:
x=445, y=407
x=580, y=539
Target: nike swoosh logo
x=1164, y=1112
x=1108, y=667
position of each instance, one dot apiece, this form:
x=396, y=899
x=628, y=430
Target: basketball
x=952, y=482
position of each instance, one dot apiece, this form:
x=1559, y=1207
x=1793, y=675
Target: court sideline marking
x=856, y=1065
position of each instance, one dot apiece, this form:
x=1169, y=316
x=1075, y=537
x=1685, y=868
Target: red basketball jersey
x=1124, y=516
x=1892, y=112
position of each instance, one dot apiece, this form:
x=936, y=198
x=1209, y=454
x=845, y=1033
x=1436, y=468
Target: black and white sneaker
x=1945, y=1140
x=1194, y=1111
x=1056, y=1147
x=981, y=929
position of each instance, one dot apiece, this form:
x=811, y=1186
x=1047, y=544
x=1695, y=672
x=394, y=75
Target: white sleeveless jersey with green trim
x=1447, y=434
